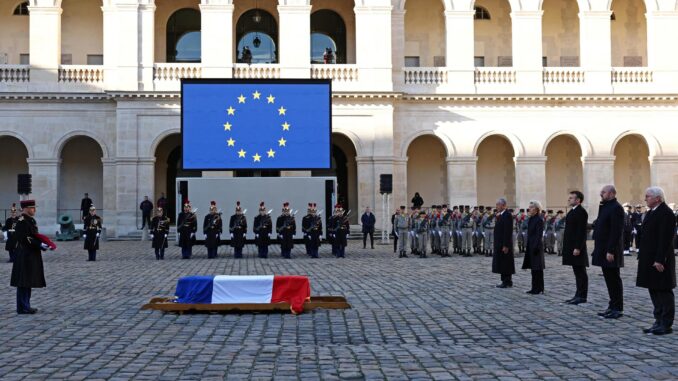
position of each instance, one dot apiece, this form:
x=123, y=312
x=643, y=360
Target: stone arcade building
x=463, y=101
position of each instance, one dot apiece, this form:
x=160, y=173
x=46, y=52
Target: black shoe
x=607, y=311
x=649, y=330
x=614, y=315
x=577, y=301
x=503, y=285
x=569, y=301
x=661, y=330
x=534, y=292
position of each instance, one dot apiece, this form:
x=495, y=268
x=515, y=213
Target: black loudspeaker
x=183, y=191
x=385, y=183
x=24, y=183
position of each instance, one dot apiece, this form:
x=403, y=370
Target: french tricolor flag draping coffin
x=238, y=289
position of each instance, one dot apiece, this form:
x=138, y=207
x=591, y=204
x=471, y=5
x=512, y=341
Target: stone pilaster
x=459, y=44
x=45, y=174
x=295, y=42
x=595, y=44
x=45, y=42
x=217, y=38
x=527, y=50
x=598, y=172
x=664, y=174
x=530, y=180
x=461, y=180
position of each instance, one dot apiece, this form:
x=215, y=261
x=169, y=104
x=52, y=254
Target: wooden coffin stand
x=314, y=302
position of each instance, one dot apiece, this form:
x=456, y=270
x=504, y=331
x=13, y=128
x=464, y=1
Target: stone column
x=127, y=192
x=382, y=165
x=147, y=44
x=295, y=39
x=598, y=172
x=45, y=173
x=462, y=180
x=527, y=51
x=530, y=180
x=398, y=47
x=664, y=174
x=459, y=45
x=126, y=46
x=366, y=188
x=662, y=29
x=373, y=46
x=110, y=45
x=400, y=182
x=108, y=206
x=595, y=44
x=217, y=38
x=45, y=42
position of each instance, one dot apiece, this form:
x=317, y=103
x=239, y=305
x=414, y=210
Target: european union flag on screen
x=240, y=124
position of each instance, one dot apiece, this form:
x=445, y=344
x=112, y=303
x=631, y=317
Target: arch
x=22, y=139
x=584, y=143
x=564, y=169
x=80, y=171
x=495, y=170
x=450, y=149
x=158, y=139
x=448, y=5
x=21, y=9
x=82, y=32
x=653, y=145
x=628, y=33
x=15, y=161
x=560, y=33
x=427, y=169
x=493, y=37
x=424, y=33
x=328, y=28
x=345, y=167
x=632, y=170
x=481, y=13
x=518, y=147
x=59, y=146
x=183, y=28
x=260, y=37
x=353, y=137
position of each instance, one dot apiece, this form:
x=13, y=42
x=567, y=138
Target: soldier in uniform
x=159, y=230
x=263, y=226
x=237, y=226
x=212, y=228
x=421, y=231
x=456, y=228
x=520, y=230
x=477, y=231
x=92, y=231
x=27, y=270
x=414, y=242
x=286, y=228
x=187, y=225
x=466, y=225
x=560, y=231
x=445, y=230
x=637, y=222
x=9, y=228
x=628, y=228
x=312, y=226
x=341, y=229
x=550, y=233
x=488, y=230
x=394, y=233
x=401, y=226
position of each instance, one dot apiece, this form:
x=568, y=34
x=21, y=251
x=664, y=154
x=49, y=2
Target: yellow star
x=231, y=110
x=271, y=98
x=286, y=126
x=241, y=99
x=282, y=142
x=241, y=153
x=227, y=126
x=271, y=153
x=256, y=95
x=281, y=111
x=231, y=142
x=256, y=157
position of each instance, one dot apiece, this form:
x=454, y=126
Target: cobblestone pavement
x=412, y=318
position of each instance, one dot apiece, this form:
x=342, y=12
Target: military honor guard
x=534, y=248
x=237, y=226
x=421, y=232
x=434, y=228
x=488, y=231
x=312, y=227
x=394, y=233
x=503, y=262
x=657, y=262
x=550, y=232
x=560, y=231
x=456, y=228
x=263, y=227
x=8, y=230
x=27, y=270
x=401, y=226
x=212, y=228
x=575, y=253
x=91, y=233
x=466, y=225
x=637, y=222
x=286, y=228
x=477, y=231
x=160, y=226
x=187, y=225
x=445, y=230
x=608, y=249
x=341, y=228
x=521, y=229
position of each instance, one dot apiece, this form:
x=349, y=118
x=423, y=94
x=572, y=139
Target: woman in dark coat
x=534, y=254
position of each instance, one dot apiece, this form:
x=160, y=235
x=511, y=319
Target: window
x=67, y=59
x=24, y=59
x=183, y=36
x=479, y=61
x=411, y=61
x=544, y=61
x=633, y=61
x=328, y=37
x=95, y=59
x=481, y=13
x=256, y=36
x=613, y=17
x=21, y=9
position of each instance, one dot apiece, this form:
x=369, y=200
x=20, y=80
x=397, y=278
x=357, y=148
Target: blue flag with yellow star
x=243, y=124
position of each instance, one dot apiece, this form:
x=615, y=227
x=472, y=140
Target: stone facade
x=454, y=132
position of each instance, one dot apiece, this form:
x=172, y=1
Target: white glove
x=44, y=246
x=5, y=234
x=231, y=235
x=192, y=235
x=151, y=236
x=165, y=235
x=97, y=235
x=84, y=236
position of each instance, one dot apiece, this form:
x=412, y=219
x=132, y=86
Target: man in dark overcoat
x=575, y=253
x=502, y=258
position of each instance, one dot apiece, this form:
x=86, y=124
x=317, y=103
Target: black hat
x=560, y=212
x=402, y=207
x=550, y=210
x=444, y=205
x=28, y=204
x=521, y=210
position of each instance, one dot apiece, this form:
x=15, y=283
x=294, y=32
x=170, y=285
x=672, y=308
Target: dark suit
x=503, y=263
x=27, y=271
x=608, y=238
x=575, y=238
x=534, y=252
x=656, y=245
